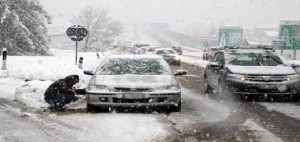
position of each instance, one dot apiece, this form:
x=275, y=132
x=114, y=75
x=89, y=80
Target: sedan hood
x=134, y=81
x=262, y=70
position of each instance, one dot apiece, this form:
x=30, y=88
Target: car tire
x=222, y=90
x=90, y=108
x=208, y=89
x=295, y=98
x=176, y=108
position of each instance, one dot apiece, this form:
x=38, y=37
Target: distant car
x=169, y=54
x=252, y=73
x=151, y=49
x=140, y=48
x=134, y=81
x=209, y=54
x=178, y=49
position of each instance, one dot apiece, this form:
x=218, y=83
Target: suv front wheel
x=222, y=90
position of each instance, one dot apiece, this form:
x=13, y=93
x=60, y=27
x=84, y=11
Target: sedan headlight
x=236, y=77
x=292, y=77
x=98, y=88
x=169, y=87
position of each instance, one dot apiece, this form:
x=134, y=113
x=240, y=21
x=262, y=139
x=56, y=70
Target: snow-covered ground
x=27, y=78
x=261, y=134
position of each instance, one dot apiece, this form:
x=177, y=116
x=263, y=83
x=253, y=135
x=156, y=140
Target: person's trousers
x=60, y=100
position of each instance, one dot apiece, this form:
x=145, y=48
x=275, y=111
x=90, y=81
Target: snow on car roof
x=164, y=49
x=135, y=56
x=250, y=51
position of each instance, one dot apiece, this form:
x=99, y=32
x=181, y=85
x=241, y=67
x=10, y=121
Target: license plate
x=132, y=96
x=268, y=86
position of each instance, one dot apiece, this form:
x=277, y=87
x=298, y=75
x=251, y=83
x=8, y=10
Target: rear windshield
x=255, y=59
x=132, y=66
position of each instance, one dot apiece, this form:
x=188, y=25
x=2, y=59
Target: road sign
x=206, y=44
x=230, y=36
x=289, y=34
x=77, y=32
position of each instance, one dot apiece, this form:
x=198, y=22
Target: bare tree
x=102, y=28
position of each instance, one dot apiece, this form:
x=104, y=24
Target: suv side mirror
x=180, y=72
x=215, y=65
x=88, y=72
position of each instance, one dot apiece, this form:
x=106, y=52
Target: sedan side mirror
x=88, y=72
x=295, y=66
x=180, y=72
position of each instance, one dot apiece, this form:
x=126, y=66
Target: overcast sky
x=182, y=13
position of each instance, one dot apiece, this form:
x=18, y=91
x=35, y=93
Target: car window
x=150, y=49
x=215, y=57
x=220, y=58
x=132, y=66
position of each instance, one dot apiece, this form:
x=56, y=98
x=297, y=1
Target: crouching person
x=61, y=92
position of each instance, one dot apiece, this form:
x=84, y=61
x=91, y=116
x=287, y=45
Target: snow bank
x=32, y=93
x=288, y=109
x=262, y=134
x=194, y=61
x=43, y=68
x=27, y=77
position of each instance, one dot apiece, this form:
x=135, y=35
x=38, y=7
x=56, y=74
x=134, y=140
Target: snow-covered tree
x=22, y=27
x=102, y=28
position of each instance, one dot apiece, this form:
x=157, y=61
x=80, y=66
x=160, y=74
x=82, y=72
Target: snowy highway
x=204, y=117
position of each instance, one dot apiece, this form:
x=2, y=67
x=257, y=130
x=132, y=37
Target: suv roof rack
x=257, y=47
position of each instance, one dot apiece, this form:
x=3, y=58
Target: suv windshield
x=132, y=66
x=254, y=59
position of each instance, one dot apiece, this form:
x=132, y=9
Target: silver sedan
x=134, y=81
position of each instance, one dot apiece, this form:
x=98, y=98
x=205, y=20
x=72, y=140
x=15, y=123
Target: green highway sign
x=289, y=35
x=230, y=36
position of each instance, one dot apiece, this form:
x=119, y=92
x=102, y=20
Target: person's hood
x=262, y=70
x=72, y=79
x=133, y=81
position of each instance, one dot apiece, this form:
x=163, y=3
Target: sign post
x=4, y=54
x=76, y=33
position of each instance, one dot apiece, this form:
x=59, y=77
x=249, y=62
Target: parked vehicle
x=169, y=55
x=150, y=50
x=209, y=54
x=140, y=48
x=178, y=49
x=252, y=73
x=134, y=81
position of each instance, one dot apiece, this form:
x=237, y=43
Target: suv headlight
x=176, y=58
x=236, y=77
x=98, y=88
x=292, y=77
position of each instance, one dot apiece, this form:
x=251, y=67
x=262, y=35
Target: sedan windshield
x=255, y=59
x=132, y=66
x=160, y=52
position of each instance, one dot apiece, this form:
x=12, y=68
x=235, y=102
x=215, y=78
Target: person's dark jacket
x=61, y=86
